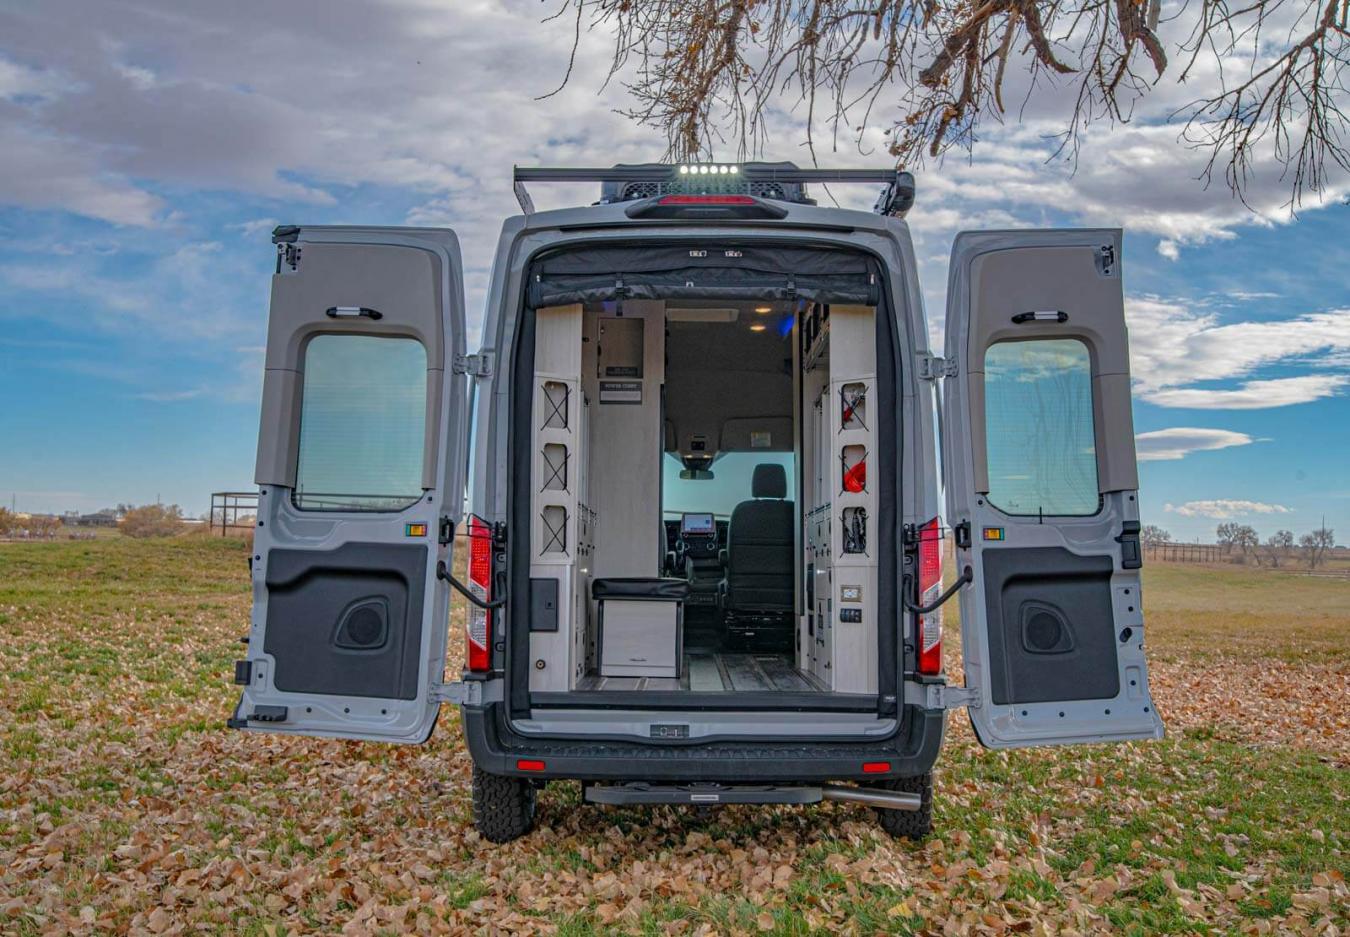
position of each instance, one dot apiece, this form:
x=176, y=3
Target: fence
x=1186, y=552
x=233, y=511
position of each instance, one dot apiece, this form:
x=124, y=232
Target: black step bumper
x=497, y=750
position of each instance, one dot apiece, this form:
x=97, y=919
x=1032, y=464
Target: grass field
x=126, y=806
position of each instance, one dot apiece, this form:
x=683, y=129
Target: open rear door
x=1041, y=488
x=360, y=464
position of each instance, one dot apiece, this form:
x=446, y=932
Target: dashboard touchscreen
x=697, y=524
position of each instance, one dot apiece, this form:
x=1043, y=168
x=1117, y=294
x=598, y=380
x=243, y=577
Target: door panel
x=346, y=621
x=360, y=455
x=1040, y=464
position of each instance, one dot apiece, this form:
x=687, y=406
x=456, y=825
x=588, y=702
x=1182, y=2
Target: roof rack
x=779, y=181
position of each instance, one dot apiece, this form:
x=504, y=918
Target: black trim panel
x=1052, y=632
x=348, y=621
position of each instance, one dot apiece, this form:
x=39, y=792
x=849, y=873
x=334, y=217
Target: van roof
x=718, y=183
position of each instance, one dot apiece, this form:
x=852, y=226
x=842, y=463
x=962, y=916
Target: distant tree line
x=37, y=526
x=150, y=520
x=1243, y=540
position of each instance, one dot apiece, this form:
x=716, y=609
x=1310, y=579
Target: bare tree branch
x=703, y=68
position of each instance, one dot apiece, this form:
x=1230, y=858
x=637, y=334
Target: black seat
x=760, y=548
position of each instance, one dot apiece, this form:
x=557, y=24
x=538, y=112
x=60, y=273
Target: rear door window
x=362, y=424
x=1039, y=428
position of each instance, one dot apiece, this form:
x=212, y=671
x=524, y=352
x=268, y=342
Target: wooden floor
x=716, y=672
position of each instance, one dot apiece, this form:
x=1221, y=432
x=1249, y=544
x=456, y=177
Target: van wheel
x=503, y=808
x=910, y=824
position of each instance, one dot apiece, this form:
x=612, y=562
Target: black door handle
x=354, y=312
x=443, y=572
x=967, y=575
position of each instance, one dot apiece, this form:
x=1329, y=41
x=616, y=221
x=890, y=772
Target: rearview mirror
x=696, y=475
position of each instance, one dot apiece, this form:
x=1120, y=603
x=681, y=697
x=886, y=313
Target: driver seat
x=759, y=577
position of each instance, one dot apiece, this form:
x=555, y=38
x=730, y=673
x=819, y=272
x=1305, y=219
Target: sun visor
x=599, y=274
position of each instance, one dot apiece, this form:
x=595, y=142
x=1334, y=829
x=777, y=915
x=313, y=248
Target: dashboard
x=701, y=535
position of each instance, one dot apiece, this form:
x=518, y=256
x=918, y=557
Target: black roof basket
x=783, y=182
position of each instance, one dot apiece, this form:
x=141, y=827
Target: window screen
x=362, y=424
x=1038, y=428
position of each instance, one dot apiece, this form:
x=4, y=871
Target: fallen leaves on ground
x=126, y=807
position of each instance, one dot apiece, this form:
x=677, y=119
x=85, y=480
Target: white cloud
x=255, y=227
x=170, y=396
x=1172, y=344
x=1252, y=395
x=1175, y=346
x=1225, y=508
x=191, y=292
x=441, y=97
x=18, y=82
x=1177, y=442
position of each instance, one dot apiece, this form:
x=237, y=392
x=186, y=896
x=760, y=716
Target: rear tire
x=910, y=824
x=503, y=807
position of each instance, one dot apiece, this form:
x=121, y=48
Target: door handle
x=354, y=312
x=1041, y=315
x=967, y=575
x=443, y=572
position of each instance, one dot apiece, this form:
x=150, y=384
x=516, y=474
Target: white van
x=702, y=472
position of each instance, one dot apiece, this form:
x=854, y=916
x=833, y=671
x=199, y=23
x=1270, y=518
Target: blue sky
x=146, y=152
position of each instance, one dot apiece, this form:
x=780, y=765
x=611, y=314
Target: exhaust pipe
x=872, y=797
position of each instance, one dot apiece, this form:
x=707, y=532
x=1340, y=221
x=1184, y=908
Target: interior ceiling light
x=763, y=309
x=758, y=327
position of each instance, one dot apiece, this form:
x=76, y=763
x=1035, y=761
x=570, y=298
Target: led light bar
x=709, y=169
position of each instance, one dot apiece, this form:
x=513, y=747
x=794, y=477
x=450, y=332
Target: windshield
x=729, y=487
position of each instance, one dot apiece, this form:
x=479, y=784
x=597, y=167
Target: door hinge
x=479, y=365
x=461, y=693
x=941, y=696
x=1106, y=259
x=932, y=367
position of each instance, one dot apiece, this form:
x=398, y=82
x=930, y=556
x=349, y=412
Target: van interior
x=701, y=521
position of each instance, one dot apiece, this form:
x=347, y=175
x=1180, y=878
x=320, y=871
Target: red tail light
x=706, y=200
x=479, y=628
x=529, y=764
x=876, y=767
x=929, y=637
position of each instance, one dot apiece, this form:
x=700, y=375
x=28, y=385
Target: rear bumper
x=911, y=751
